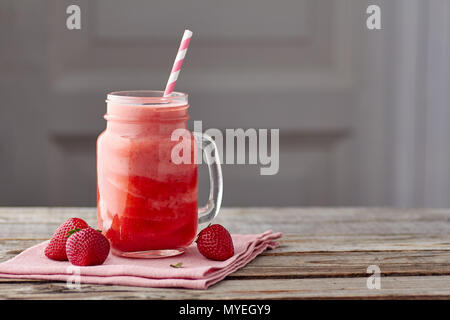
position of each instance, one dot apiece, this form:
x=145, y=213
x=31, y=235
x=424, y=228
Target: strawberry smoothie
x=144, y=200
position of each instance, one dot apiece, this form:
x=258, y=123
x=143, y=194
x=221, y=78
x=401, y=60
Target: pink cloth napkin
x=197, y=272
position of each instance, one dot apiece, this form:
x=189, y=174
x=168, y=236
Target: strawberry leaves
x=178, y=265
x=71, y=232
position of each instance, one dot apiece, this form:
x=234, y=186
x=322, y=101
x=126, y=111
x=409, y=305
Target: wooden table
x=324, y=253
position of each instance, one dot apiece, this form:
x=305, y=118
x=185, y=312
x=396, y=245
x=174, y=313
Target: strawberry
x=215, y=243
x=56, y=249
x=87, y=247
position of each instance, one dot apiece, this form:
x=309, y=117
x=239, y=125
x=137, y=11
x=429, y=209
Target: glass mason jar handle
x=207, y=145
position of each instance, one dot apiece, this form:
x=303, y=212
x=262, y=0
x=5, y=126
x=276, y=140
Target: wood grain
x=324, y=253
x=417, y=287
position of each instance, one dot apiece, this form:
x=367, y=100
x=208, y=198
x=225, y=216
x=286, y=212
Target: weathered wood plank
x=324, y=288
x=346, y=264
x=39, y=222
x=361, y=242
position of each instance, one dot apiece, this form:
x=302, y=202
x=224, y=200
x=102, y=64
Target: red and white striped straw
x=178, y=62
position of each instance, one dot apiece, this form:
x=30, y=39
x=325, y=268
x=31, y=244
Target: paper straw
x=178, y=62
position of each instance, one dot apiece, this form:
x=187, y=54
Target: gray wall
x=363, y=115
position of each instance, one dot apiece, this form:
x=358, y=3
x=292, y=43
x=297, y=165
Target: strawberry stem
x=71, y=232
x=178, y=265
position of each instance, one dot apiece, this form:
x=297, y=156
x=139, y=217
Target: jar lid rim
x=147, y=97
